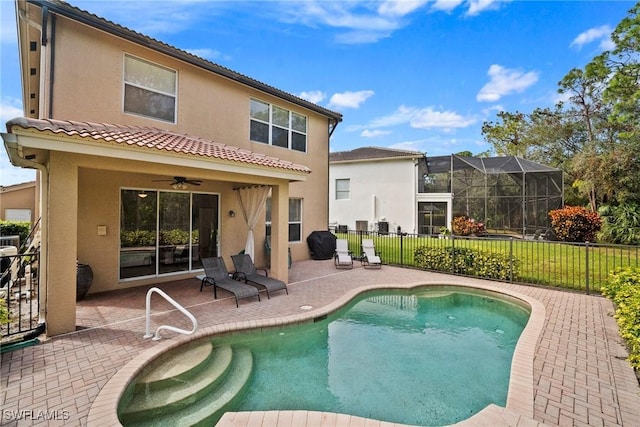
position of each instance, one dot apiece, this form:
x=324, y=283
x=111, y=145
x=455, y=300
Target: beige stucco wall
x=19, y=196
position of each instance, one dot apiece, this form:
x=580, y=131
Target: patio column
x=62, y=241
x=280, y=232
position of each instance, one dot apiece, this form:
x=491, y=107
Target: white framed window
x=273, y=125
x=295, y=219
x=150, y=90
x=343, y=189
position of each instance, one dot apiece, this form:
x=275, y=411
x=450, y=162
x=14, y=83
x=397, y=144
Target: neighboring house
x=18, y=202
x=112, y=116
x=374, y=189
x=380, y=189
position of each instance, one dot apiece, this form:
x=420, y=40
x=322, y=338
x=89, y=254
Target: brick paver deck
x=580, y=376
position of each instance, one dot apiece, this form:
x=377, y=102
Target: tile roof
x=149, y=138
x=370, y=153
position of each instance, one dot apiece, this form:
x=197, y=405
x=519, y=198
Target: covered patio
x=143, y=205
x=577, y=376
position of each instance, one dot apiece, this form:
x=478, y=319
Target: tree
x=509, y=135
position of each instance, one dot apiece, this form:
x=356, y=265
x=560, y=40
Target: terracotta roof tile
x=154, y=139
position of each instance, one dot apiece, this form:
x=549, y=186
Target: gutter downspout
x=15, y=155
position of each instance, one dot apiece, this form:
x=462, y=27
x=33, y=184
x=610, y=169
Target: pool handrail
x=173, y=302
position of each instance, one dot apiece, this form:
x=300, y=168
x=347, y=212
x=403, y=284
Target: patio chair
x=247, y=271
x=342, y=257
x=370, y=258
x=216, y=275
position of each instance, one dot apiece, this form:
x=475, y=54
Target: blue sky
x=410, y=74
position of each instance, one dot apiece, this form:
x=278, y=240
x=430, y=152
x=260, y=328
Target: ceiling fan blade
x=193, y=181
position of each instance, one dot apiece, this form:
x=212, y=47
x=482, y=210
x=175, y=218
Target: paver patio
x=580, y=376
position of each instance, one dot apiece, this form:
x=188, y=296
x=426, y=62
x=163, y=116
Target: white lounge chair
x=370, y=258
x=342, y=257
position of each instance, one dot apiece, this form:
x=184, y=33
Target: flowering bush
x=465, y=226
x=575, y=224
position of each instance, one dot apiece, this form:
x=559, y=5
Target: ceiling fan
x=180, y=182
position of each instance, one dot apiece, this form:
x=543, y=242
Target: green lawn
x=558, y=264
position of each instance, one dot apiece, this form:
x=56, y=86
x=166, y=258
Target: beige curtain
x=252, y=202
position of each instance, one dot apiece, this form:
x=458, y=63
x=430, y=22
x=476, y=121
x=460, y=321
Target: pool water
x=431, y=357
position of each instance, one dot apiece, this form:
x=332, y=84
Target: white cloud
x=315, y=96
x=602, y=33
x=361, y=21
x=399, y=7
x=10, y=108
x=504, y=81
x=209, y=54
x=428, y=118
x=374, y=133
x=445, y=5
x=423, y=118
x=477, y=6
x=169, y=17
x=350, y=99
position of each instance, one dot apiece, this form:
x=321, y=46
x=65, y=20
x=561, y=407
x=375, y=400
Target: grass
x=565, y=265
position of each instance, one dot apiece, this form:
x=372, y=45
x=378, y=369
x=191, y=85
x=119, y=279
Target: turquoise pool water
x=431, y=357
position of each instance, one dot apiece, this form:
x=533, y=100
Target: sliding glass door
x=166, y=232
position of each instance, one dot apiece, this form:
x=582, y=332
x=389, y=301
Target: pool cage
x=509, y=194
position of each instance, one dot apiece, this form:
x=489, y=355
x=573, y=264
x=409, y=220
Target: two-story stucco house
x=374, y=189
x=143, y=150
x=381, y=189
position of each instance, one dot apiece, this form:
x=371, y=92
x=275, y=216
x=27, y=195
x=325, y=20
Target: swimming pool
x=430, y=356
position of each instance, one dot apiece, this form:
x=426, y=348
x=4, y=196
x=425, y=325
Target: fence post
x=453, y=254
x=511, y=259
x=401, y=250
x=586, y=285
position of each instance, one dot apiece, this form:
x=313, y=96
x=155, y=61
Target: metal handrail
x=173, y=302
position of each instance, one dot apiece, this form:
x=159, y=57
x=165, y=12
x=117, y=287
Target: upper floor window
x=149, y=89
x=277, y=126
x=343, y=188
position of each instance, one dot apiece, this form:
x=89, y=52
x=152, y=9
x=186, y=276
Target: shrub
x=624, y=290
x=4, y=311
x=13, y=228
x=620, y=224
x=465, y=226
x=466, y=261
x=575, y=224
x=135, y=238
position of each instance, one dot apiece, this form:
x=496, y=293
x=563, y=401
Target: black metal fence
x=580, y=266
x=19, y=295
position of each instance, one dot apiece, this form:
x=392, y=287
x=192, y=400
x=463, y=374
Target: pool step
x=201, y=410
x=160, y=395
x=179, y=367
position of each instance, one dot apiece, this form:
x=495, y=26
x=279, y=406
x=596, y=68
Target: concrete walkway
x=579, y=373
